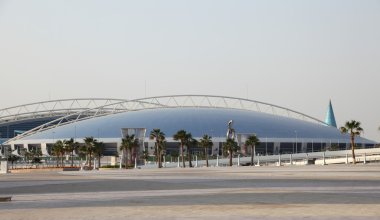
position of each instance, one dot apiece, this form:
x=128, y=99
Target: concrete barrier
x=4, y=166
x=43, y=170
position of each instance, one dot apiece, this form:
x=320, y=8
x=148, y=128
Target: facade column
x=276, y=148
x=26, y=147
x=215, y=148
x=44, y=149
x=303, y=146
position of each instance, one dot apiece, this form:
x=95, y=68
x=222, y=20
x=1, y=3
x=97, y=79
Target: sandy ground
x=299, y=192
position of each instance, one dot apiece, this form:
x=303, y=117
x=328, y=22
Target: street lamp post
x=296, y=140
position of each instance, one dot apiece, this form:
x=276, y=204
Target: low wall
x=4, y=166
x=30, y=170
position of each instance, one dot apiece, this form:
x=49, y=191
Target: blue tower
x=330, y=117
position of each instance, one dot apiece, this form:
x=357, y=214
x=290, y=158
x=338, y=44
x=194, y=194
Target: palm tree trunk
x=206, y=154
x=57, y=161
x=98, y=161
x=129, y=157
x=62, y=158
x=72, y=158
x=89, y=161
x=252, y=153
x=157, y=152
x=189, y=156
x=125, y=159
x=159, y=159
x=182, y=157
x=230, y=152
x=133, y=156
x=353, y=149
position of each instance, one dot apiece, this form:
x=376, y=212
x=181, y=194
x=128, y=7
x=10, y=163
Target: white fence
x=318, y=158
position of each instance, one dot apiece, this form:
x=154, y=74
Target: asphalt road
x=312, y=192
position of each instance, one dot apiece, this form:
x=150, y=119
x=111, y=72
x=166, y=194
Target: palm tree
x=353, y=128
x=159, y=136
x=35, y=154
x=230, y=146
x=190, y=142
x=145, y=156
x=206, y=143
x=57, y=149
x=161, y=148
x=88, y=148
x=12, y=158
x=182, y=137
x=252, y=141
x=28, y=155
x=129, y=143
x=70, y=147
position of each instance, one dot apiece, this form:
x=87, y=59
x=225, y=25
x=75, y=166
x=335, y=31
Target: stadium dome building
x=280, y=130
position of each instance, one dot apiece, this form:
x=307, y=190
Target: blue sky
x=296, y=54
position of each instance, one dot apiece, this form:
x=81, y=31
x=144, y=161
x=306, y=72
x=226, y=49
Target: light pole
x=53, y=145
x=75, y=133
x=296, y=139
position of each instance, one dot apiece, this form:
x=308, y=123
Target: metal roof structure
x=75, y=110
x=61, y=107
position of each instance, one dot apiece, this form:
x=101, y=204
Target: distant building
x=330, y=117
x=280, y=130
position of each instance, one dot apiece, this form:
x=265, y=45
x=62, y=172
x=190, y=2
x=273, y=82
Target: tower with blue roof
x=330, y=117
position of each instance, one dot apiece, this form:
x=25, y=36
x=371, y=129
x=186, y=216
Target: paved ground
x=302, y=192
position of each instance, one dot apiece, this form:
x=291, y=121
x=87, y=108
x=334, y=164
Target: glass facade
x=277, y=134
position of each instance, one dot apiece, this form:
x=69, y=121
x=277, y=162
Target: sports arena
x=280, y=130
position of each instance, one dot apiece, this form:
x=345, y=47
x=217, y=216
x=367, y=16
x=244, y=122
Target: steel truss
x=115, y=106
x=52, y=108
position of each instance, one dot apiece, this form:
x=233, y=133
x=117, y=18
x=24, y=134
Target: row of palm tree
x=59, y=151
x=353, y=128
x=159, y=146
x=186, y=139
x=129, y=144
x=91, y=149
